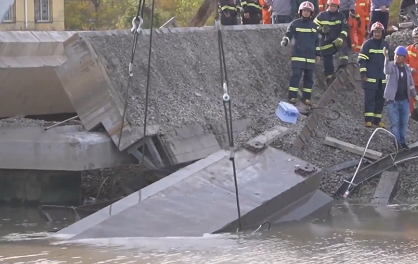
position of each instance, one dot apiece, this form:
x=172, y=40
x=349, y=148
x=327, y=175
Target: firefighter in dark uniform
x=229, y=12
x=252, y=12
x=371, y=59
x=333, y=27
x=305, y=52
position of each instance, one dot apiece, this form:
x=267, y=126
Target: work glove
x=324, y=29
x=353, y=13
x=358, y=22
x=284, y=42
x=338, y=42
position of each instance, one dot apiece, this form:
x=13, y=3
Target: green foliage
x=118, y=14
x=394, y=12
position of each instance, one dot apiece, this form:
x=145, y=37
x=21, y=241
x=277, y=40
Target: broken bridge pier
x=84, y=78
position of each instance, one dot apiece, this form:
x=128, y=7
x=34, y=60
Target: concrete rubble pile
x=400, y=38
x=185, y=76
x=186, y=90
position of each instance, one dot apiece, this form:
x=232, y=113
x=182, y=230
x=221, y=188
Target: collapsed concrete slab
x=66, y=148
x=29, y=84
x=200, y=198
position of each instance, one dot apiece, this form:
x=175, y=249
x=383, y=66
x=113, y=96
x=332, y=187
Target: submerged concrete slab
x=200, y=198
x=386, y=189
x=60, y=148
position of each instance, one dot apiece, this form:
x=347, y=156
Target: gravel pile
x=349, y=128
x=185, y=75
x=21, y=122
x=400, y=38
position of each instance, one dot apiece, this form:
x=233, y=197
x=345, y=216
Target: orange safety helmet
x=377, y=26
x=306, y=6
x=333, y=2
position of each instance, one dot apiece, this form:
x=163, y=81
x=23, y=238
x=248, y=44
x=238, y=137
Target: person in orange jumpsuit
x=322, y=4
x=266, y=12
x=359, y=24
x=412, y=60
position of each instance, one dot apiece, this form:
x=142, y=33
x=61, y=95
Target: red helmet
x=333, y=2
x=306, y=6
x=377, y=26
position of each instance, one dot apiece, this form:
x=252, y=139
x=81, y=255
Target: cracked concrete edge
x=183, y=30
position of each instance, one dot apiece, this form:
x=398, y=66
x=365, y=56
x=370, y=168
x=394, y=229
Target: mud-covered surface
x=21, y=122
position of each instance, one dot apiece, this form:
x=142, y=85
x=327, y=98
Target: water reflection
x=354, y=233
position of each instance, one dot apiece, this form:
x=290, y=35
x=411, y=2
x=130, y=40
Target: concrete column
x=34, y=186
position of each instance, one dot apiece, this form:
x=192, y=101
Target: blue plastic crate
x=287, y=112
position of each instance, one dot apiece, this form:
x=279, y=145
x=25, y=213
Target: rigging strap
x=136, y=29
x=228, y=112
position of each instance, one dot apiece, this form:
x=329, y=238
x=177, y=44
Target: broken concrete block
x=386, y=189
x=266, y=138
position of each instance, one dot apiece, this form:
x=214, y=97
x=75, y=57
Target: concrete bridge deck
x=200, y=198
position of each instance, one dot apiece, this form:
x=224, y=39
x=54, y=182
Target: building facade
x=35, y=15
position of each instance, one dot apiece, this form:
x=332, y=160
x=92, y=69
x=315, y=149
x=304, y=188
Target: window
x=43, y=10
x=9, y=16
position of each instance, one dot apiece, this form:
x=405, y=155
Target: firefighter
x=305, y=52
x=322, y=5
x=371, y=59
x=380, y=13
x=333, y=27
x=347, y=7
x=296, y=5
x=412, y=60
x=266, y=12
x=252, y=12
x=229, y=12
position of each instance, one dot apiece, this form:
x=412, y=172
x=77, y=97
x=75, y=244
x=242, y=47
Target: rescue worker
x=359, y=24
x=296, y=4
x=322, y=5
x=305, y=52
x=252, y=12
x=347, y=7
x=229, y=12
x=371, y=59
x=333, y=27
x=412, y=60
x=266, y=12
x=281, y=11
x=380, y=13
x=400, y=89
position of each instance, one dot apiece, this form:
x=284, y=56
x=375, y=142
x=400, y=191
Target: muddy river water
x=352, y=234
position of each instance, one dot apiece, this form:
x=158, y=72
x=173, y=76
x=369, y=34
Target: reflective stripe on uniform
x=369, y=114
x=303, y=59
x=343, y=57
x=318, y=48
x=378, y=115
x=367, y=18
x=288, y=40
x=344, y=33
x=307, y=90
x=327, y=47
x=363, y=69
x=371, y=80
x=294, y=89
x=378, y=51
x=329, y=23
x=306, y=30
x=233, y=8
x=362, y=4
x=384, y=81
x=245, y=3
x=363, y=57
x=412, y=53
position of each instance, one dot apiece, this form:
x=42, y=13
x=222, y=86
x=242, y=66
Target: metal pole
x=60, y=123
